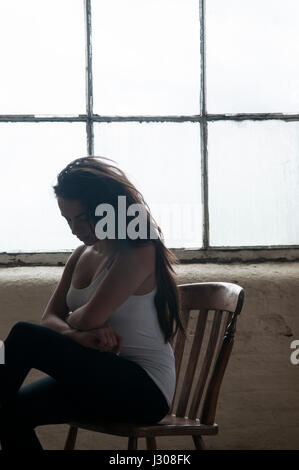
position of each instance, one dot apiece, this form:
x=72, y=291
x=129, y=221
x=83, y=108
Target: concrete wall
x=258, y=406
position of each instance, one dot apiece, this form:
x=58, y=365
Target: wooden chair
x=210, y=310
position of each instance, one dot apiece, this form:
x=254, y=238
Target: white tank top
x=137, y=322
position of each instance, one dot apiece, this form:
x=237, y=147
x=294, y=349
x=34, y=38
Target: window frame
x=206, y=252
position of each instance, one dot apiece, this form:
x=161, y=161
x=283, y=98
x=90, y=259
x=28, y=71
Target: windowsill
x=185, y=256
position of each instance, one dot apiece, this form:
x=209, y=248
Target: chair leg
x=132, y=445
x=199, y=443
x=151, y=443
x=71, y=438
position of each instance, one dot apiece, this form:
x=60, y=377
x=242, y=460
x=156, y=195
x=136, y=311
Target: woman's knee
x=22, y=330
x=22, y=325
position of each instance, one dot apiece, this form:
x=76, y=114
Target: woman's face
x=78, y=219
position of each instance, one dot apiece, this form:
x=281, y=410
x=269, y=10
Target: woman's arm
x=58, y=324
x=102, y=339
x=128, y=271
x=54, y=316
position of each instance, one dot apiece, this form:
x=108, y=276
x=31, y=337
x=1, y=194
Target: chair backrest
x=210, y=311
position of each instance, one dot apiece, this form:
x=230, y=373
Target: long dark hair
x=92, y=181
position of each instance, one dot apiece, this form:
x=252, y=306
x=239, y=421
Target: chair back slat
x=178, y=348
x=180, y=345
x=178, y=354
x=192, y=363
x=206, y=365
x=206, y=353
x=210, y=403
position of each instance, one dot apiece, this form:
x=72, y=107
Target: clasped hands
x=103, y=338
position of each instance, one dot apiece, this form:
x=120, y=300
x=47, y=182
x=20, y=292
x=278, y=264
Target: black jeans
x=81, y=384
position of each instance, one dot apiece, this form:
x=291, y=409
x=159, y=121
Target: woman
x=104, y=337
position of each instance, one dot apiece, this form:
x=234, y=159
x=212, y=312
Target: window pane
x=42, y=57
x=163, y=161
x=146, y=57
x=253, y=183
x=252, y=56
x=32, y=156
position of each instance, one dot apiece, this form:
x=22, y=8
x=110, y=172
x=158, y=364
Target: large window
x=198, y=102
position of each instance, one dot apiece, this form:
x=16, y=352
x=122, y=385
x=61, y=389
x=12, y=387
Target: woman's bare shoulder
x=76, y=254
x=144, y=253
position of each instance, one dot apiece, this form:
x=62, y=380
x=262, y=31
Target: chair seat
x=170, y=425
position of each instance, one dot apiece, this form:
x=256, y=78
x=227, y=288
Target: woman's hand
x=108, y=339
x=103, y=339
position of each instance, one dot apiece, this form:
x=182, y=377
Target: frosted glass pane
x=42, y=47
x=254, y=183
x=31, y=157
x=252, y=56
x=146, y=56
x=163, y=161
